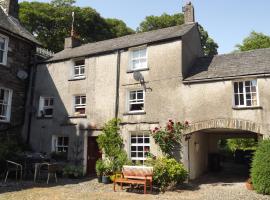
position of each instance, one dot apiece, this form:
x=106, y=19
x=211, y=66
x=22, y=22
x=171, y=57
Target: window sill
x=135, y=113
x=44, y=117
x=248, y=108
x=3, y=64
x=77, y=116
x=77, y=79
x=137, y=70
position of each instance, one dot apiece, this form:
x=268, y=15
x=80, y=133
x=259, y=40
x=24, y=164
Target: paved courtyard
x=90, y=189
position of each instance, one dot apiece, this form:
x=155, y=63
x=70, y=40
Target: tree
x=254, y=41
x=59, y=3
x=157, y=22
x=118, y=28
x=51, y=23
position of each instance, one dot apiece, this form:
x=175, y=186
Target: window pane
x=240, y=87
x=136, y=54
x=83, y=99
x=241, y=99
x=235, y=87
x=146, y=140
x=133, y=140
x=140, y=148
x=140, y=95
x=236, y=100
x=51, y=101
x=248, y=102
x=133, y=154
x=65, y=141
x=253, y=83
x=143, y=53
x=2, y=43
x=80, y=110
x=136, y=64
x=247, y=89
x=136, y=107
x=48, y=112
x=132, y=95
x=77, y=100
x=248, y=96
x=253, y=89
x=76, y=71
x=247, y=83
x=140, y=154
x=133, y=148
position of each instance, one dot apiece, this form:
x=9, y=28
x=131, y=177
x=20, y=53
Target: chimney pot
x=72, y=42
x=189, y=16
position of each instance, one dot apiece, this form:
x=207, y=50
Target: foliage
x=254, y=41
x=110, y=142
x=241, y=144
x=51, y=23
x=260, y=171
x=167, y=172
x=100, y=167
x=169, y=138
x=157, y=22
x=74, y=171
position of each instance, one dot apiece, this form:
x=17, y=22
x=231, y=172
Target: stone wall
x=19, y=58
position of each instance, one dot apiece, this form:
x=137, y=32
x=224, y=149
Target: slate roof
x=124, y=42
x=253, y=62
x=11, y=24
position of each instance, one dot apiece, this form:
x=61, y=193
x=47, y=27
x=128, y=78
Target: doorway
x=93, y=155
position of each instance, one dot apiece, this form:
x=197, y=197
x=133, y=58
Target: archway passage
x=202, y=154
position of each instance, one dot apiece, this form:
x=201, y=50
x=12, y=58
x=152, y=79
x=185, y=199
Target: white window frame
x=80, y=105
x=42, y=106
x=8, y=105
x=5, y=50
x=131, y=58
x=129, y=101
x=244, y=93
x=55, y=145
x=145, y=135
x=79, y=67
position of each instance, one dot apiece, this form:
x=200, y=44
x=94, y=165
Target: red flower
x=156, y=128
x=186, y=122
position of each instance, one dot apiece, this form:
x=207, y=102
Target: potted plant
x=107, y=172
x=73, y=171
x=249, y=184
x=99, y=169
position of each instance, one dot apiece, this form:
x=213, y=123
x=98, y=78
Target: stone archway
x=201, y=138
x=237, y=124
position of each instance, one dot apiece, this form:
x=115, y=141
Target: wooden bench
x=139, y=175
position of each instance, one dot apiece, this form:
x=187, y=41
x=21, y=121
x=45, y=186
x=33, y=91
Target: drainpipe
x=117, y=83
x=187, y=138
x=31, y=97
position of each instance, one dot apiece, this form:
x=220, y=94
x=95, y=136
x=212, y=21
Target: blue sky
x=227, y=21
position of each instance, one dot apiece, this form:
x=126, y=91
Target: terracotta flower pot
x=249, y=185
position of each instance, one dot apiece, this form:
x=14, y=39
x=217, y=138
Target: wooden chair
x=50, y=169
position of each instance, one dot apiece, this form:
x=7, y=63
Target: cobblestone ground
x=92, y=190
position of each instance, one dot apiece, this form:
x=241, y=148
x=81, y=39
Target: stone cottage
x=144, y=79
x=17, y=50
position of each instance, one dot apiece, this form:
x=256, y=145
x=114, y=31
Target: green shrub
x=111, y=144
x=167, y=172
x=73, y=171
x=260, y=171
x=100, y=168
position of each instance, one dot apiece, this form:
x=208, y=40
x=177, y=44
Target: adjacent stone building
x=145, y=79
x=17, y=49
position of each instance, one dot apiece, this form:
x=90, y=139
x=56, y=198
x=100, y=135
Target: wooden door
x=93, y=155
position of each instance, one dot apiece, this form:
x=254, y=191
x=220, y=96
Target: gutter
x=31, y=97
x=261, y=75
x=117, y=83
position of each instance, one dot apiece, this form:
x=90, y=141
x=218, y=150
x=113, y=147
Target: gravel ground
x=91, y=189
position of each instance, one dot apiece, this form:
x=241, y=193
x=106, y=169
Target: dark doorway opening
x=93, y=154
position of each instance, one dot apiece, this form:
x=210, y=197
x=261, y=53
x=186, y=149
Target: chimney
x=71, y=42
x=11, y=7
x=188, y=10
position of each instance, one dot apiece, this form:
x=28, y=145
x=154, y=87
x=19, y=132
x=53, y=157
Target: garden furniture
x=49, y=168
x=14, y=167
x=139, y=175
